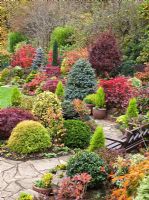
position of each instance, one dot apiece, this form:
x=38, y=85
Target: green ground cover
x=5, y=96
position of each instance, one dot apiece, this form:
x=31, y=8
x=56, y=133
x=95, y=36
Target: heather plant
x=98, y=139
x=88, y=162
x=132, y=111
x=100, y=98
x=38, y=59
x=16, y=97
x=10, y=117
x=48, y=109
x=60, y=90
x=81, y=81
x=104, y=53
x=28, y=137
x=77, y=134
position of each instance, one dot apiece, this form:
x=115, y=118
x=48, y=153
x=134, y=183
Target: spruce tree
x=81, y=81
x=97, y=140
x=55, y=54
x=39, y=59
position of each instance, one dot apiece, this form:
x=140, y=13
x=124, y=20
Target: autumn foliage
x=104, y=54
x=24, y=56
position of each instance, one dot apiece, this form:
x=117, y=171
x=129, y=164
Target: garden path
x=18, y=176
x=110, y=130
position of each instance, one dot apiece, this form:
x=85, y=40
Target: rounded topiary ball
x=77, y=134
x=28, y=137
x=88, y=162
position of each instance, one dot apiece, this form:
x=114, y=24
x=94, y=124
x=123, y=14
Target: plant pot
x=99, y=113
x=90, y=107
x=44, y=191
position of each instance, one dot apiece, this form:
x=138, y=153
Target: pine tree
x=81, y=81
x=55, y=54
x=39, y=59
x=132, y=111
x=98, y=139
x=60, y=90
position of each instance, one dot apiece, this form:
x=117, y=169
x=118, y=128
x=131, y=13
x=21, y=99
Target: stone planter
x=90, y=107
x=99, y=113
x=44, y=191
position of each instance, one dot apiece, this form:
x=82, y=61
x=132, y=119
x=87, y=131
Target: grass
x=5, y=96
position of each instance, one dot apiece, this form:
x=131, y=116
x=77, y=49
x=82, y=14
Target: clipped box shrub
x=28, y=137
x=88, y=162
x=77, y=134
x=10, y=117
x=48, y=109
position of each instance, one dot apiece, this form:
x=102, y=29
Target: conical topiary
x=39, y=59
x=81, y=81
x=132, y=111
x=60, y=89
x=100, y=98
x=98, y=139
x=55, y=54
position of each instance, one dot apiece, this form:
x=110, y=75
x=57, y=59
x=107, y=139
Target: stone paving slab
x=17, y=176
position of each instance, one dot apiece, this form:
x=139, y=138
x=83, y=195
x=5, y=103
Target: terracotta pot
x=44, y=191
x=90, y=107
x=99, y=113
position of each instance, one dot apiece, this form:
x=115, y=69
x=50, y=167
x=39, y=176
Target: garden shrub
x=104, y=54
x=100, y=98
x=98, y=139
x=77, y=134
x=27, y=102
x=127, y=68
x=143, y=189
x=81, y=81
x=38, y=59
x=132, y=111
x=13, y=39
x=135, y=82
x=59, y=90
x=143, y=100
x=51, y=84
x=28, y=137
x=20, y=45
x=16, y=97
x=23, y=57
x=90, y=99
x=10, y=117
x=88, y=162
x=4, y=76
x=17, y=71
x=68, y=110
x=55, y=54
x=130, y=181
x=25, y=196
x=71, y=57
x=48, y=109
x=63, y=36
x=118, y=92
x=4, y=58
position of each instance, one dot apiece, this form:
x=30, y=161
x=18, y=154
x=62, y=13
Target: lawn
x=5, y=96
